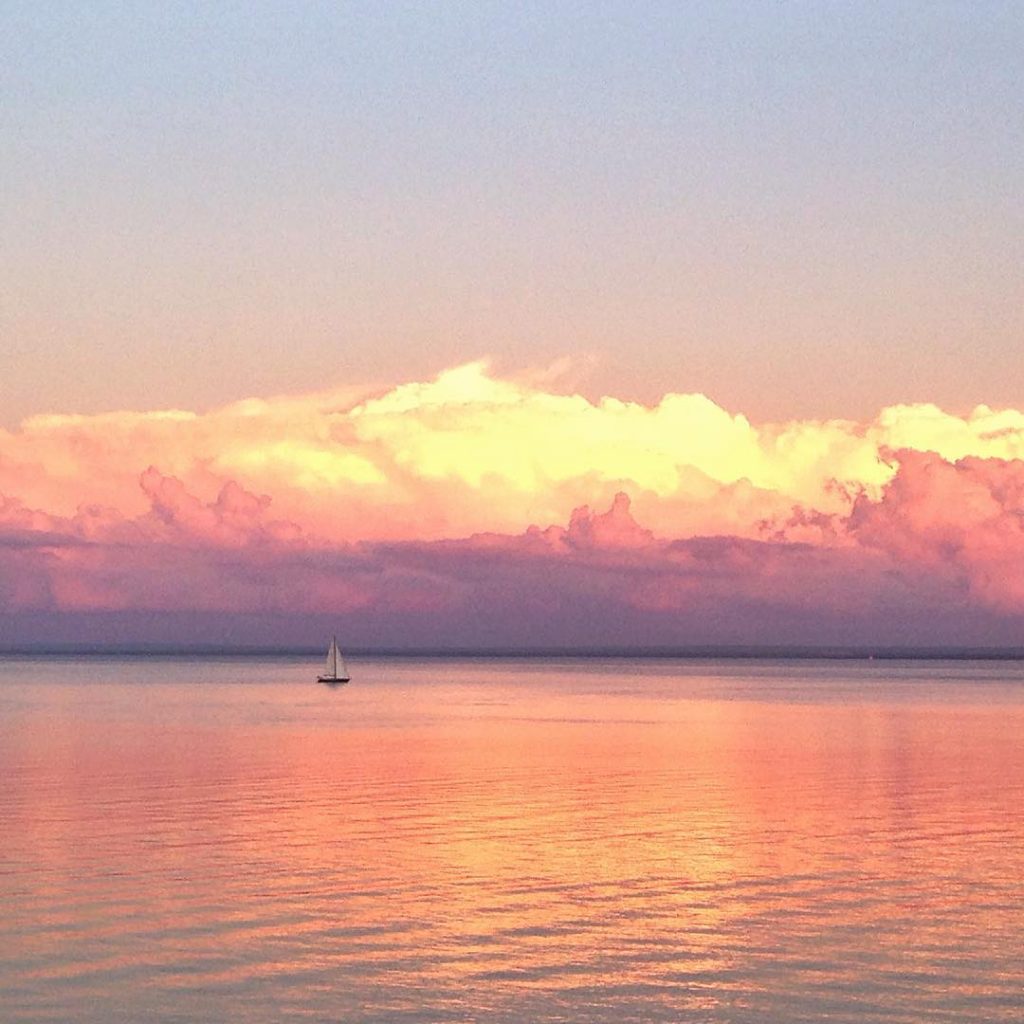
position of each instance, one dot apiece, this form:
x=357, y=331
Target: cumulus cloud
x=471, y=496
x=469, y=452
x=960, y=520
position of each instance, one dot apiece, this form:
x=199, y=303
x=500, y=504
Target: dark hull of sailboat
x=332, y=680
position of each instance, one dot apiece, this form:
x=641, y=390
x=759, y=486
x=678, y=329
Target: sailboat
x=335, y=671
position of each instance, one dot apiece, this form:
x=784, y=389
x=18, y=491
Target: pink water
x=195, y=841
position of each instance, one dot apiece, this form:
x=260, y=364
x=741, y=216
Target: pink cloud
x=469, y=452
x=940, y=535
x=962, y=521
x=615, y=528
x=408, y=509
x=235, y=518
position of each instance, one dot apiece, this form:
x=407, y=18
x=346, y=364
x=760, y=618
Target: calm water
x=200, y=841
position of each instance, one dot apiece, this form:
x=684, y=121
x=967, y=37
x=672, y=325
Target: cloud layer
x=475, y=509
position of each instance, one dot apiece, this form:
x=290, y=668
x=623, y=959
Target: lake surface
x=196, y=841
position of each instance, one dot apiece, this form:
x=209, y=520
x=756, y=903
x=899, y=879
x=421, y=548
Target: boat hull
x=331, y=680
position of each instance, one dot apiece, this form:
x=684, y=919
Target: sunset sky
x=487, y=324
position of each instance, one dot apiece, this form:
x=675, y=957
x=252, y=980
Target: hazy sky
x=796, y=208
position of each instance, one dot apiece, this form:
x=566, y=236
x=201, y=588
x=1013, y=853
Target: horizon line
x=695, y=652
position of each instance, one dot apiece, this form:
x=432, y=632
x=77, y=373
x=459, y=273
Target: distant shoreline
x=694, y=653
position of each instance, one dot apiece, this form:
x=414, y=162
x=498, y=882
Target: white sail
x=335, y=670
x=331, y=668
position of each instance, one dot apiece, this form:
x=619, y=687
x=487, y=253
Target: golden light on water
x=511, y=836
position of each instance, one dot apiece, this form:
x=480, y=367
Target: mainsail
x=335, y=667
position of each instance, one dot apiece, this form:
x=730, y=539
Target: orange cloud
x=415, y=501
x=470, y=452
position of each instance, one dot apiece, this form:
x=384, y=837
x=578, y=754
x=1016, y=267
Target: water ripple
x=492, y=841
